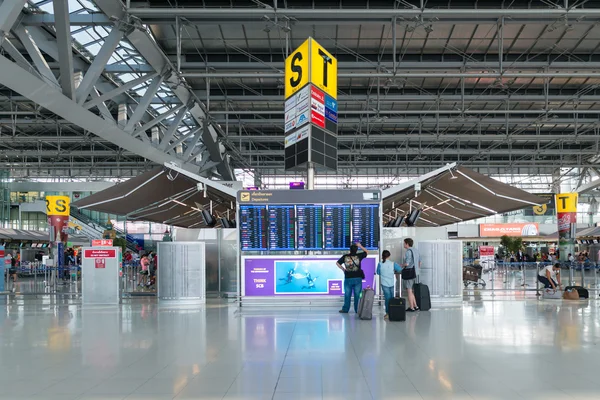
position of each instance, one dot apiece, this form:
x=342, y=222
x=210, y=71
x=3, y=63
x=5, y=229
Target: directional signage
x=323, y=70
x=310, y=63
x=297, y=69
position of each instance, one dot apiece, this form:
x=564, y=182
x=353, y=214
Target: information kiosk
x=290, y=241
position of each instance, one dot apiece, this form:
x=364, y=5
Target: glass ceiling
x=91, y=38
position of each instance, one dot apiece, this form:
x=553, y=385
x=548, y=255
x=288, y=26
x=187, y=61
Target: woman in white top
x=550, y=276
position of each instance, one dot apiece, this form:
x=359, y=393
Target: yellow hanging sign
x=310, y=63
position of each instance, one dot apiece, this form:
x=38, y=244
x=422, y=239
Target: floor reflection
x=143, y=349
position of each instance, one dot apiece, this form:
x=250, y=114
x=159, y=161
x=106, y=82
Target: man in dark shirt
x=353, y=275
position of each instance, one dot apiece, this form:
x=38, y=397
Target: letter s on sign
x=297, y=69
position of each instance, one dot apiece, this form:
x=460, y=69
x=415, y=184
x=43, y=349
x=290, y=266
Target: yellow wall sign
x=311, y=63
x=58, y=205
x=566, y=202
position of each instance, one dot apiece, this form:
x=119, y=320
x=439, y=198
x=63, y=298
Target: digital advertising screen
x=281, y=276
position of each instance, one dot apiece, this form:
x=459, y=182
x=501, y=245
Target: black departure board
x=337, y=227
x=310, y=227
x=282, y=229
x=365, y=225
x=253, y=228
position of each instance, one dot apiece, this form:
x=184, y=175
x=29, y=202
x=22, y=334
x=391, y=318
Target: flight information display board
x=253, y=228
x=365, y=225
x=309, y=224
x=337, y=227
x=282, y=228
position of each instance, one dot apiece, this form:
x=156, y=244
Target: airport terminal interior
x=294, y=199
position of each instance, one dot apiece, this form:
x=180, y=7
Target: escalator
x=95, y=230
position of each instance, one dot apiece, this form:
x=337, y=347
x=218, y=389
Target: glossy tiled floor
x=506, y=349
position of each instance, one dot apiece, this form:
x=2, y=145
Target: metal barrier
x=523, y=276
x=35, y=278
x=134, y=283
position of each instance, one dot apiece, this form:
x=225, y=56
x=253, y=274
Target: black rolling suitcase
x=397, y=309
x=421, y=292
x=583, y=292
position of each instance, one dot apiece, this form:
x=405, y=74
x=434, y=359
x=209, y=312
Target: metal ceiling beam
x=411, y=152
x=91, y=19
x=10, y=10
x=36, y=55
x=167, y=17
x=142, y=106
x=216, y=15
x=405, y=66
x=412, y=98
x=46, y=96
x=18, y=57
x=424, y=121
x=399, y=74
x=120, y=89
x=63, y=153
x=65, y=47
x=426, y=137
x=422, y=112
x=147, y=47
x=100, y=60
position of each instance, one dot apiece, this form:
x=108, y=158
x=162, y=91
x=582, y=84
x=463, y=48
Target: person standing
x=353, y=275
x=386, y=270
x=410, y=271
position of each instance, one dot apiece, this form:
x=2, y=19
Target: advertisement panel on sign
x=290, y=125
x=317, y=107
x=330, y=115
x=272, y=276
x=317, y=95
x=317, y=119
x=290, y=103
x=302, y=105
x=290, y=115
x=516, y=229
x=331, y=103
x=297, y=136
x=302, y=119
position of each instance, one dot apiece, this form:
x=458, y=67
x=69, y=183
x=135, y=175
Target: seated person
x=550, y=276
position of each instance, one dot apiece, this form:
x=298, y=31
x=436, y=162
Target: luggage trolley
x=472, y=276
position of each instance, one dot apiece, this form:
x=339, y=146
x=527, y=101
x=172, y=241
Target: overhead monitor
x=253, y=228
x=282, y=227
x=398, y=221
x=413, y=217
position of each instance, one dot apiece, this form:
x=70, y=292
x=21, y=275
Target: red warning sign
x=100, y=263
x=100, y=253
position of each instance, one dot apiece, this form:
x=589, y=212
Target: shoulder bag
x=409, y=273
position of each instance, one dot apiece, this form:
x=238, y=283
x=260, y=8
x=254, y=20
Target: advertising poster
x=274, y=276
x=516, y=229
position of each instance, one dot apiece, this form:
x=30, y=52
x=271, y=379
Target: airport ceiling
x=497, y=86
